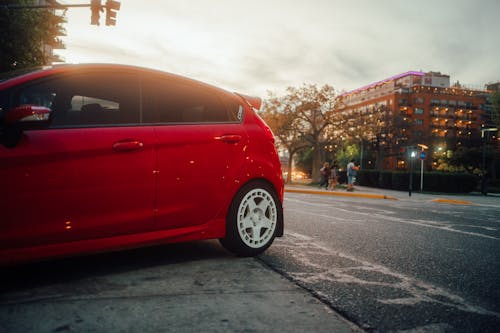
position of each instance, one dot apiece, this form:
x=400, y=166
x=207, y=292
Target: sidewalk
x=196, y=287
x=492, y=200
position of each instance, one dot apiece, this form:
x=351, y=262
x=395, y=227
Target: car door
x=90, y=174
x=201, y=144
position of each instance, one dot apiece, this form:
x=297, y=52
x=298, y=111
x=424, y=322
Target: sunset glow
x=256, y=46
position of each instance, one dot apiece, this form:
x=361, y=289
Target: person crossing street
x=352, y=171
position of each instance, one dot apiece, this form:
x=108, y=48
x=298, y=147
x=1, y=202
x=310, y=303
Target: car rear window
x=169, y=101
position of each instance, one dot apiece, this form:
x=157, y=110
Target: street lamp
x=485, y=139
x=413, y=153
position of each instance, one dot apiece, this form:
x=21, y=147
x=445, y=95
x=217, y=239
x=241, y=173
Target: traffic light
x=95, y=8
x=111, y=8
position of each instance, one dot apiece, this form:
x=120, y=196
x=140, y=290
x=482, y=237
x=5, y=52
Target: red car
x=105, y=157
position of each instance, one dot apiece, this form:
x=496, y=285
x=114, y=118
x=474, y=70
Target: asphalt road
x=405, y=265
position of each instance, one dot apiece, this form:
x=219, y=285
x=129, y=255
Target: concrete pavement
x=192, y=287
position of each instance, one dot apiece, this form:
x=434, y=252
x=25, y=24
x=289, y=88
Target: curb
x=343, y=194
x=372, y=196
x=455, y=202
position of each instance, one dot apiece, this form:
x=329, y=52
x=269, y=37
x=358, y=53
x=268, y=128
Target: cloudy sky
x=255, y=46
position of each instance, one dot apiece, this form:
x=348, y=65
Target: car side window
x=87, y=99
x=168, y=101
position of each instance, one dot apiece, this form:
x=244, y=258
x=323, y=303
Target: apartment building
x=434, y=112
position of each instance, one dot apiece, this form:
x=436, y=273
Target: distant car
x=103, y=157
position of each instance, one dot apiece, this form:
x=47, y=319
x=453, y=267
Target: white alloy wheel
x=253, y=219
x=257, y=218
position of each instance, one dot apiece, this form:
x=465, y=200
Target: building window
x=419, y=121
x=419, y=100
x=419, y=111
x=401, y=164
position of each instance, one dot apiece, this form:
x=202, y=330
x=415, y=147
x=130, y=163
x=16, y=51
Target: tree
x=303, y=161
x=306, y=113
x=346, y=154
x=286, y=128
x=24, y=35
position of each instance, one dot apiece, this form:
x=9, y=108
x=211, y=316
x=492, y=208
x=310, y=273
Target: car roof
x=19, y=77
x=26, y=75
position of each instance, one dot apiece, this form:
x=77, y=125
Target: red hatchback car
x=105, y=157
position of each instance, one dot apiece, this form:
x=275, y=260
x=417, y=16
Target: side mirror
x=20, y=118
x=28, y=116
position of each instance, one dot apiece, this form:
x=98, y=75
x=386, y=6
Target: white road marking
x=385, y=216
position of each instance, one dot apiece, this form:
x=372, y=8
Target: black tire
x=252, y=220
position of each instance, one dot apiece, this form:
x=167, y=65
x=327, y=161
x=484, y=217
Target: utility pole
x=484, y=179
x=422, y=158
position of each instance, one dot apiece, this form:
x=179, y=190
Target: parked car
x=102, y=157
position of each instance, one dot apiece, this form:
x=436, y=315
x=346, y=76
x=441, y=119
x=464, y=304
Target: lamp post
x=485, y=140
x=413, y=153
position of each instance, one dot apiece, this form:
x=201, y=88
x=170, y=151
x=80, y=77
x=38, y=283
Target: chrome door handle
x=127, y=145
x=229, y=138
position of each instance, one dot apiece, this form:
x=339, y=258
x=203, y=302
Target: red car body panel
x=192, y=163
x=67, y=191
x=69, y=185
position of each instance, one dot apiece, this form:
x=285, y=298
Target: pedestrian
x=325, y=175
x=334, y=181
x=352, y=171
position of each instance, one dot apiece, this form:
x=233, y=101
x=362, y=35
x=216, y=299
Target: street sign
x=422, y=155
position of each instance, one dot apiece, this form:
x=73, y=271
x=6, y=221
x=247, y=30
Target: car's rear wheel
x=252, y=219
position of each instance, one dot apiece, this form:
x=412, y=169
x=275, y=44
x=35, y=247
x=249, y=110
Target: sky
x=261, y=46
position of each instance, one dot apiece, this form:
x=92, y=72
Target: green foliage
x=385, y=179
x=493, y=185
x=24, y=32
x=450, y=182
x=401, y=180
x=466, y=160
x=304, y=160
x=345, y=154
x=466, y=157
x=368, y=177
